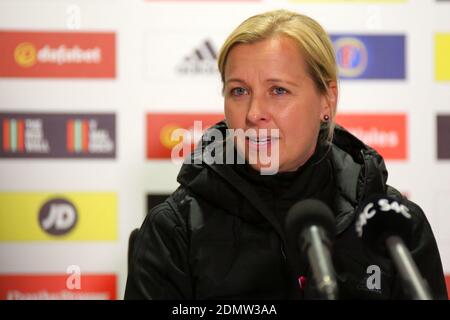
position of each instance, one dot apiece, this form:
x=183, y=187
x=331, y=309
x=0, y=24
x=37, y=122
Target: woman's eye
x=279, y=90
x=238, y=91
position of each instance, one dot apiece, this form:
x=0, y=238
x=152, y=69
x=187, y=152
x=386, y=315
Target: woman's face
x=267, y=87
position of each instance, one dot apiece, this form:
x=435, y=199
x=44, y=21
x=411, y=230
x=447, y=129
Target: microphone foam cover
x=306, y=213
x=381, y=217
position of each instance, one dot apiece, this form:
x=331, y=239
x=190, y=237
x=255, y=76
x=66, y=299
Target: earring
x=326, y=118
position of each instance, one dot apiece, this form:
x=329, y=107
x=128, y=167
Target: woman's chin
x=266, y=168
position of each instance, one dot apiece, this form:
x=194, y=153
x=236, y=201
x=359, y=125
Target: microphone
x=385, y=226
x=311, y=227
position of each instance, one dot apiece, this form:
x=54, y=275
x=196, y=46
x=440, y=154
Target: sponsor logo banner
x=57, y=287
x=53, y=135
x=442, y=54
x=443, y=136
x=232, y=1
x=370, y=56
x=202, y=60
x=181, y=56
x=161, y=126
x=386, y=133
x=74, y=216
x=351, y=1
x=58, y=54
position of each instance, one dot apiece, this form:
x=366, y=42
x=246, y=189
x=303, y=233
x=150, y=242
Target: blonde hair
x=312, y=39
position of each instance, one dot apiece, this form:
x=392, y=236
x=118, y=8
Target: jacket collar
x=359, y=172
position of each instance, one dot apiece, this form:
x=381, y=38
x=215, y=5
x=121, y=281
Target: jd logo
x=374, y=280
x=57, y=217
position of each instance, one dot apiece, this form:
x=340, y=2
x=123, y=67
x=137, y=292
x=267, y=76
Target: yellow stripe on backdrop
x=361, y=1
x=74, y=216
x=442, y=56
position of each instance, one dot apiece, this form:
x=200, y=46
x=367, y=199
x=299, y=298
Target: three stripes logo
x=78, y=136
x=201, y=61
x=13, y=135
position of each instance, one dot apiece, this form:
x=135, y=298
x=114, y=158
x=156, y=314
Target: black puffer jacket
x=218, y=236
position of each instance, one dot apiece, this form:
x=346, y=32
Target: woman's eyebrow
x=267, y=80
x=282, y=80
x=234, y=80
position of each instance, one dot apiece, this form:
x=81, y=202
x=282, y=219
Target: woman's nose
x=257, y=111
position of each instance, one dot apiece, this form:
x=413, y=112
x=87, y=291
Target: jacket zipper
x=283, y=253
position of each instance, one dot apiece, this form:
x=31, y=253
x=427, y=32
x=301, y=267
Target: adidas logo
x=203, y=60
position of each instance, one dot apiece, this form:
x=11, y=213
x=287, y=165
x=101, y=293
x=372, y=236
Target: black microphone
x=385, y=226
x=310, y=225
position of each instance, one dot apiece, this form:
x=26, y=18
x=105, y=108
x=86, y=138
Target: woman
x=220, y=234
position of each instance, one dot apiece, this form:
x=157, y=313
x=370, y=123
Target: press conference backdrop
x=90, y=92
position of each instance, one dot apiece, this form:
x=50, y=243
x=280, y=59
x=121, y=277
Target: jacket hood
x=358, y=169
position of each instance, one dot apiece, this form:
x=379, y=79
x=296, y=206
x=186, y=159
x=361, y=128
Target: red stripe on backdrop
x=85, y=135
x=447, y=281
x=70, y=136
x=20, y=135
x=44, y=286
x=6, y=145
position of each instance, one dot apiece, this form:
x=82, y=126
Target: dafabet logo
x=25, y=54
x=58, y=54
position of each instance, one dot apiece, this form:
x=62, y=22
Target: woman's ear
x=330, y=101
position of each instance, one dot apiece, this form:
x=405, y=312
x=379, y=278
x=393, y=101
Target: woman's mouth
x=261, y=141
